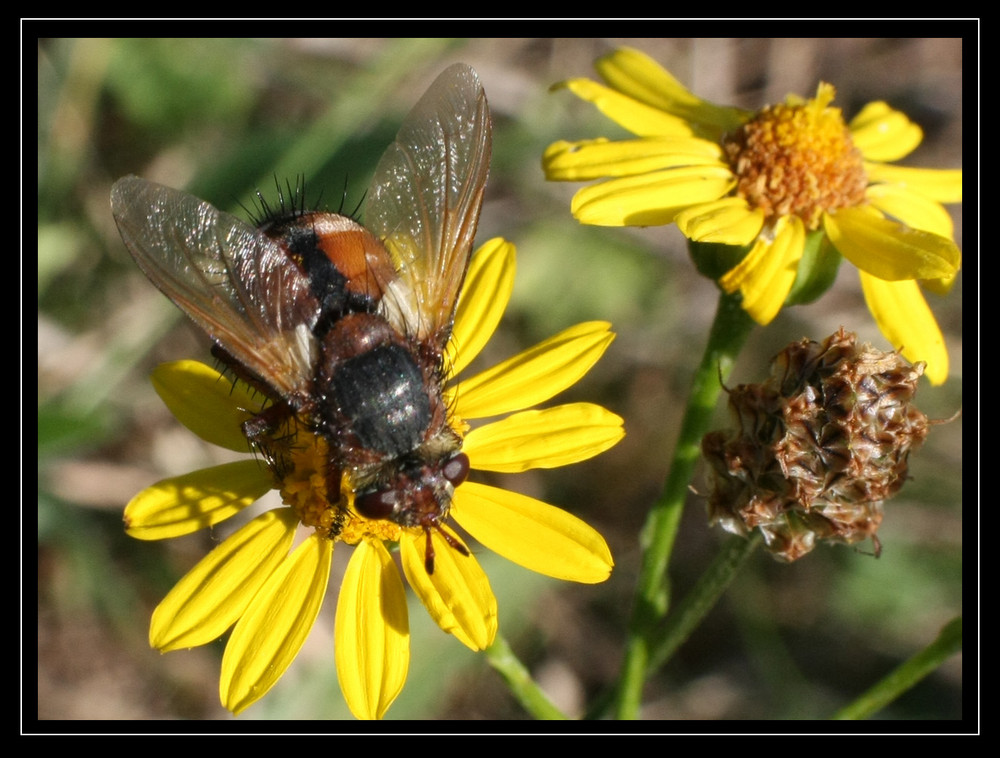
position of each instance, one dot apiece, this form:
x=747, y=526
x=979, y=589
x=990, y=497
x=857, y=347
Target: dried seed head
x=817, y=447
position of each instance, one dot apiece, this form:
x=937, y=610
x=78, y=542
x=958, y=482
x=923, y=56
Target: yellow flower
x=272, y=590
x=767, y=179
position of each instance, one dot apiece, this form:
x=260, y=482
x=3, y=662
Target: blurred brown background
x=222, y=117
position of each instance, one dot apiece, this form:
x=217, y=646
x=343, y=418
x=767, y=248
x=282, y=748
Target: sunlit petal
x=533, y=534
x=184, y=504
x=215, y=593
x=269, y=635
x=729, y=221
x=534, y=375
x=372, y=633
x=594, y=159
x=650, y=199
x=884, y=134
x=628, y=113
x=547, y=438
x=637, y=75
x=485, y=294
x=905, y=319
x=765, y=276
x=889, y=250
x=943, y=185
x=911, y=208
x=457, y=594
x=939, y=286
x=206, y=402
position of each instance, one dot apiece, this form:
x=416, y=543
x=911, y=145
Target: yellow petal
x=534, y=375
x=533, y=534
x=888, y=249
x=271, y=632
x=905, y=319
x=628, y=113
x=372, y=632
x=598, y=158
x=457, y=595
x=209, y=404
x=766, y=275
x=943, y=185
x=215, y=593
x=547, y=438
x=911, y=208
x=650, y=199
x=639, y=76
x=940, y=287
x=884, y=134
x=729, y=221
x=485, y=294
x=184, y=504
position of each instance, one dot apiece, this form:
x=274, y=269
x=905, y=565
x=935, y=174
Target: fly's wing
x=239, y=286
x=424, y=202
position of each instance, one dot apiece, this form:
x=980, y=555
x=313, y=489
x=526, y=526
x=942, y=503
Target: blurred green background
x=221, y=118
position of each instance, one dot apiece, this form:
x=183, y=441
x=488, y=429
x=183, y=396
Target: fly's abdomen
x=381, y=394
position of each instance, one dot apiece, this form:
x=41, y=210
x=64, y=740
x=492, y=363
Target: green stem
x=948, y=642
x=524, y=688
x=701, y=599
x=652, y=600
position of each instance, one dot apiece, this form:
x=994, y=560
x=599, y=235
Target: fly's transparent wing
x=234, y=282
x=425, y=198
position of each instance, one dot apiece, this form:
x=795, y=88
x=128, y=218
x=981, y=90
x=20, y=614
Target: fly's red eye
x=456, y=469
x=376, y=505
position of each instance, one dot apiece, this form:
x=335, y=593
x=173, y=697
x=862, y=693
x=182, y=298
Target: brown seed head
x=817, y=447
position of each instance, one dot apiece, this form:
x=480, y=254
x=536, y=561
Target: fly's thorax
x=324, y=242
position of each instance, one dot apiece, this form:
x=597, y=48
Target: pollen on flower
x=303, y=481
x=356, y=528
x=798, y=158
x=303, y=486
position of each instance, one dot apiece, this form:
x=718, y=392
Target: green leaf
x=713, y=260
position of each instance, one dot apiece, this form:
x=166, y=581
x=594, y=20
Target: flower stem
x=524, y=688
x=948, y=642
x=701, y=599
x=729, y=331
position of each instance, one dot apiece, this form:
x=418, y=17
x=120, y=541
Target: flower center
x=798, y=158
x=303, y=486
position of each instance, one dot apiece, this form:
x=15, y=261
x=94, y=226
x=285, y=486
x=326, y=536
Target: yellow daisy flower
x=767, y=179
x=271, y=586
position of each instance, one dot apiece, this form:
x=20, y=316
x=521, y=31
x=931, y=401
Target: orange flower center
x=798, y=158
x=303, y=486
